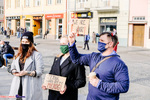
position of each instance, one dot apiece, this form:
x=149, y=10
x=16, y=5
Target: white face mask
x=2, y=45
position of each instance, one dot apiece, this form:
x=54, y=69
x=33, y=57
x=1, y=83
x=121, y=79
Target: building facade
x=1, y=14
x=139, y=23
x=106, y=16
x=37, y=16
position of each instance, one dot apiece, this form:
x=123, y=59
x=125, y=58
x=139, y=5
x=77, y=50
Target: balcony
x=105, y=5
x=83, y=6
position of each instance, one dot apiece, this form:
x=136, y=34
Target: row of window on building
x=27, y=3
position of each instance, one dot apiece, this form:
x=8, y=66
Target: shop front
x=107, y=24
x=37, y=24
x=54, y=23
x=13, y=22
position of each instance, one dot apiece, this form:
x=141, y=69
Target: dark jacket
x=7, y=49
x=75, y=79
x=113, y=74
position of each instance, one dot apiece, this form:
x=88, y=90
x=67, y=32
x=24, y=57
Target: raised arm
x=82, y=59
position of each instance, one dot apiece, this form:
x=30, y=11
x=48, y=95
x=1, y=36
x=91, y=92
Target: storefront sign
x=37, y=17
x=1, y=20
x=54, y=82
x=80, y=26
x=108, y=20
x=49, y=16
x=13, y=17
x=82, y=15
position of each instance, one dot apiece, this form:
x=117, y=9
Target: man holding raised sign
x=63, y=69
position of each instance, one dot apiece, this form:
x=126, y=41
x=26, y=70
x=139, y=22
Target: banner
x=80, y=26
x=54, y=82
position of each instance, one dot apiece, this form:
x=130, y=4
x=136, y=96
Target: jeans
x=18, y=34
x=5, y=56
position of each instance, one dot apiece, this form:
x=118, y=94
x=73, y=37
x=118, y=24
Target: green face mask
x=64, y=49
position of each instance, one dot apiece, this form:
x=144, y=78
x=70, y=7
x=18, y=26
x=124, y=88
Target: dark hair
x=113, y=37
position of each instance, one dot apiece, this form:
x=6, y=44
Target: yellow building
x=37, y=16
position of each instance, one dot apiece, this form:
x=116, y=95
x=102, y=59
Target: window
x=37, y=2
x=8, y=4
x=49, y=2
x=1, y=10
x=58, y=1
x=27, y=3
x=17, y=3
x=139, y=18
x=83, y=0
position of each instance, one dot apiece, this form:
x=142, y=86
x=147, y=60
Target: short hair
x=114, y=38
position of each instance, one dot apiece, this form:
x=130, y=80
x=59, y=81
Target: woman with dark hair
x=27, y=68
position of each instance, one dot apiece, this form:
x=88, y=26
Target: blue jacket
x=87, y=37
x=113, y=74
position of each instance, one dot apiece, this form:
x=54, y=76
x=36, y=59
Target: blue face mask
x=101, y=47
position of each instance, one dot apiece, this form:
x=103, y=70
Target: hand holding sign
x=54, y=82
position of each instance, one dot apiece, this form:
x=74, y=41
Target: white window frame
x=27, y=3
x=37, y=2
x=82, y=1
x=17, y=3
x=59, y=1
x=49, y=2
x=8, y=4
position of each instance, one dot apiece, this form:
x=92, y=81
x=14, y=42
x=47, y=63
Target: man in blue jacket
x=111, y=75
x=86, y=40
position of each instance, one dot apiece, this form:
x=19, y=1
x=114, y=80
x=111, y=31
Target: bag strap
x=100, y=63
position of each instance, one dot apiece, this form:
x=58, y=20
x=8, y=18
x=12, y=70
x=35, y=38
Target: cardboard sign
x=80, y=26
x=54, y=82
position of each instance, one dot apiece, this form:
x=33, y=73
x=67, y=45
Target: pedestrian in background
x=8, y=32
x=21, y=31
x=93, y=37
x=75, y=74
x=18, y=32
x=86, y=41
x=45, y=35
x=111, y=77
x=27, y=68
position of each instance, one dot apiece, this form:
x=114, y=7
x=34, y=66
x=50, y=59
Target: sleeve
x=6, y=48
x=39, y=65
x=80, y=78
x=82, y=59
x=13, y=67
x=121, y=84
x=50, y=72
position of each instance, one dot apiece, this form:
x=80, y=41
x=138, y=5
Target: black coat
x=75, y=79
x=7, y=49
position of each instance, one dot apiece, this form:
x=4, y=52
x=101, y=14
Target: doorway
x=59, y=29
x=138, y=35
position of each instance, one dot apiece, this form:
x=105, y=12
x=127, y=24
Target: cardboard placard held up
x=54, y=82
x=80, y=26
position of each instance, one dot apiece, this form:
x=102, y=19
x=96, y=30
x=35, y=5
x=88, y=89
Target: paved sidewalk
x=137, y=60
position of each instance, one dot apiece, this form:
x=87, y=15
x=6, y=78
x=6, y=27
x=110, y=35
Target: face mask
x=101, y=47
x=2, y=45
x=64, y=49
x=25, y=46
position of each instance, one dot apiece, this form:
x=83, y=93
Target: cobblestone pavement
x=136, y=58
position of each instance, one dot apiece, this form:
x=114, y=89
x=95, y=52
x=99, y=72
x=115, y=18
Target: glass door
x=59, y=31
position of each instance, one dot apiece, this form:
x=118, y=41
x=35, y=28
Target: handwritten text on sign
x=80, y=26
x=54, y=82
